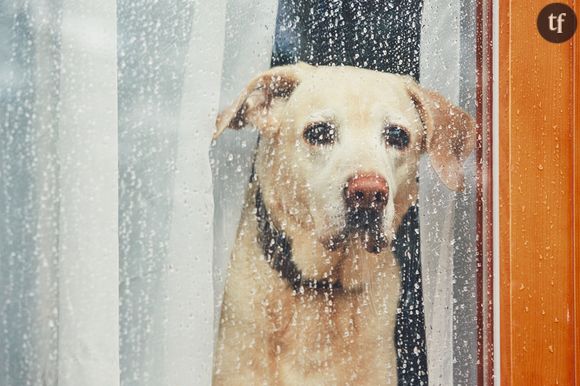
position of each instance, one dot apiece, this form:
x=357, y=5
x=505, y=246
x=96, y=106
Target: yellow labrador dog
x=313, y=287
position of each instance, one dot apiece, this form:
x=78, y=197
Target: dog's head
x=340, y=146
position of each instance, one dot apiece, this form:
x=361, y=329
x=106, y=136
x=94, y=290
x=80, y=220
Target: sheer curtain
x=86, y=151
x=106, y=112
x=111, y=264
x=59, y=255
x=447, y=224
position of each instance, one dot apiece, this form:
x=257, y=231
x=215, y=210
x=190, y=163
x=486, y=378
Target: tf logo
x=557, y=22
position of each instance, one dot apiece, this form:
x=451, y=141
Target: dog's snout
x=366, y=191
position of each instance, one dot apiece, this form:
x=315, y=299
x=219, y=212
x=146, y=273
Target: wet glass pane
x=241, y=192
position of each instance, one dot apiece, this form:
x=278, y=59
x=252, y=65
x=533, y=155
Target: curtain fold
x=188, y=283
x=58, y=167
x=153, y=39
x=29, y=81
x=447, y=223
x=88, y=262
x=440, y=66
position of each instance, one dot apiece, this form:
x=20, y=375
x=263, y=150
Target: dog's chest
x=323, y=340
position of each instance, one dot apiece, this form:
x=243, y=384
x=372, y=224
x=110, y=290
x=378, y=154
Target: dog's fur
x=271, y=333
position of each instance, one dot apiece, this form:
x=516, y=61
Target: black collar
x=277, y=248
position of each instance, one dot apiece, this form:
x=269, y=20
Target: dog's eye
x=396, y=137
x=321, y=133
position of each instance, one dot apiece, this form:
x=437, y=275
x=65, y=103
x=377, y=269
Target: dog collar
x=277, y=248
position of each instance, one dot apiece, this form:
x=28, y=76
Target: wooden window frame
x=539, y=219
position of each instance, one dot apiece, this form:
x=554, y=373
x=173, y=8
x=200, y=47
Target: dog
x=313, y=286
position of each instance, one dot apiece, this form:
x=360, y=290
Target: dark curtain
x=375, y=34
x=384, y=36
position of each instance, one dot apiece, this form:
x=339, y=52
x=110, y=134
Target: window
x=120, y=213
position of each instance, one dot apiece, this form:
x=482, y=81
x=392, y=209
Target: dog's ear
x=449, y=134
x=254, y=103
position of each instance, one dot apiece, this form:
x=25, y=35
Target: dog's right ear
x=254, y=103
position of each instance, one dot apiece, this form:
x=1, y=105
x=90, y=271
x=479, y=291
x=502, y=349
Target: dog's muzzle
x=363, y=219
x=366, y=197
x=366, y=193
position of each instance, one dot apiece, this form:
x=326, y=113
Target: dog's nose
x=366, y=191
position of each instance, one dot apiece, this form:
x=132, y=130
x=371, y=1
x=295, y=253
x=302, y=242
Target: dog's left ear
x=449, y=134
x=253, y=105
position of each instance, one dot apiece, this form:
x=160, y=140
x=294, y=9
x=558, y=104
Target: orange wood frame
x=539, y=188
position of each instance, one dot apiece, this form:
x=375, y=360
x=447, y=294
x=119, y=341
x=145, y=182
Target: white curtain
x=62, y=79
x=88, y=252
x=59, y=243
x=447, y=223
x=188, y=282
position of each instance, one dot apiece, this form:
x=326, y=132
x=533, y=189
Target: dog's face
x=340, y=146
x=338, y=126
